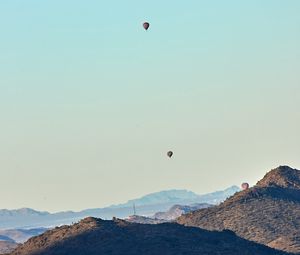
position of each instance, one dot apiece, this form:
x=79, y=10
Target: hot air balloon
x=245, y=186
x=170, y=154
x=146, y=25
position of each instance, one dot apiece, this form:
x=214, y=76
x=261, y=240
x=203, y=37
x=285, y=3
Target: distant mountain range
x=172, y=214
x=10, y=239
x=268, y=213
x=183, y=197
x=7, y=246
x=20, y=235
x=162, y=197
x=146, y=206
x=177, y=210
x=261, y=220
x=96, y=237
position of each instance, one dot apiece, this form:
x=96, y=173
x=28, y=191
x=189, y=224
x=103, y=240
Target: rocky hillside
x=268, y=213
x=282, y=176
x=93, y=236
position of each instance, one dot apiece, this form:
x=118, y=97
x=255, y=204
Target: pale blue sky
x=90, y=102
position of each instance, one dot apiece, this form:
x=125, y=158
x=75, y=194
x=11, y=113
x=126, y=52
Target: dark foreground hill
x=93, y=236
x=268, y=213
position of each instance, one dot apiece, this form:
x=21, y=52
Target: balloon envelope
x=245, y=186
x=146, y=25
x=170, y=154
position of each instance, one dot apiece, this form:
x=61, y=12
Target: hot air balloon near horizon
x=146, y=25
x=245, y=186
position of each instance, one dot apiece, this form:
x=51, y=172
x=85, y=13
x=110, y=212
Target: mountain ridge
x=95, y=237
x=267, y=213
x=29, y=218
x=178, y=195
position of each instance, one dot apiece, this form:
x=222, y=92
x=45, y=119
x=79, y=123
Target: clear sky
x=90, y=102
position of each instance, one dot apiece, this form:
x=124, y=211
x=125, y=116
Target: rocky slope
x=93, y=236
x=268, y=213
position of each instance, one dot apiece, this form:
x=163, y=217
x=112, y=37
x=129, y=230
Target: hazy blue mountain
x=21, y=212
x=148, y=205
x=177, y=210
x=169, y=216
x=7, y=246
x=6, y=239
x=180, y=197
x=166, y=196
x=20, y=235
x=218, y=196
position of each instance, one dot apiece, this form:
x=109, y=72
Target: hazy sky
x=90, y=102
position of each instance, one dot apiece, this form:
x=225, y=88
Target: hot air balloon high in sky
x=170, y=154
x=146, y=25
x=141, y=90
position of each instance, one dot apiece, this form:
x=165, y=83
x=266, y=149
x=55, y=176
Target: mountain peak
x=90, y=221
x=282, y=176
x=267, y=213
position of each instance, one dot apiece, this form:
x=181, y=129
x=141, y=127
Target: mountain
x=268, y=213
x=7, y=246
x=95, y=237
x=217, y=196
x=173, y=197
x=162, y=197
x=21, y=212
x=6, y=239
x=147, y=206
x=162, y=217
x=20, y=235
x=178, y=210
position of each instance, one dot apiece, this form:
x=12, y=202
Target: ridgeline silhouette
x=93, y=236
x=268, y=213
